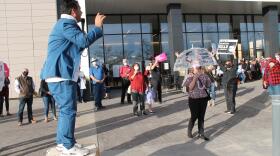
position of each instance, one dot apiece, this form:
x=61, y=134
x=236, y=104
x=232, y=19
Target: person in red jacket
x=124, y=74
x=271, y=77
x=138, y=86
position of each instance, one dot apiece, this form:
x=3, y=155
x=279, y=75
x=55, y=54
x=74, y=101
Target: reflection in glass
x=163, y=23
x=164, y=44
x=150, y=44
x=131, y=24
x=209, y=23
x=112, y=25
x=259, y=40
x=258, y=23
x=250, y=23
x=194, y=40
x=149, y=24
x=226, y=35
x=252, y=44
x=244, y=45
x=224, y=23
x=210, y=38
x=96, y=49
x=239, y=23
x=113, y=49
x=132, y=48
x=193, y=23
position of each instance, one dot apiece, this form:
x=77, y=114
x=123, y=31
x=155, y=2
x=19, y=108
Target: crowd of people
x=63, y=84
x=139, y=86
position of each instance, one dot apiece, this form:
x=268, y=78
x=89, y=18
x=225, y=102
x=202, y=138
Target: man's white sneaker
x=74, y=151
x=59, y=147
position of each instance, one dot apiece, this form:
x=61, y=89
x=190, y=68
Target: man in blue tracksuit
x=61, y=70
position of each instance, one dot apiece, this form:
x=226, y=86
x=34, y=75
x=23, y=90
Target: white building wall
x=24, y=29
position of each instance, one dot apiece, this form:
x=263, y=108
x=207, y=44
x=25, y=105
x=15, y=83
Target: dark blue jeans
x=49, y=101
x=65, y=95
x=98, y=90
x=22, y=102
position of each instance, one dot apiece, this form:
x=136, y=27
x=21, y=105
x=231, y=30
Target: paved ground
x=247, y=133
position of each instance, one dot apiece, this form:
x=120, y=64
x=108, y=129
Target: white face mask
x=125, y=63
x=94, y=63
x=136, y=68
x=277, y=58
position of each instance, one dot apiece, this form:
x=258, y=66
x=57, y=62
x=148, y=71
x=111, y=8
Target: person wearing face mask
x=197, y=84
x=124, y=74
x=229, y=82
x=25, y=87
x=137, y=89
x=97, y=76
x=156, y=79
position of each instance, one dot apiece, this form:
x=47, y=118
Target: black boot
x=135, y=108
x=144, y=112
x=190, y=128
x=202, y=136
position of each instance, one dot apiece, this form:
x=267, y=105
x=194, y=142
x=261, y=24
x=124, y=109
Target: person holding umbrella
x=197, y=84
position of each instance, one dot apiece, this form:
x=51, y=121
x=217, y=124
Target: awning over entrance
x=188, y=6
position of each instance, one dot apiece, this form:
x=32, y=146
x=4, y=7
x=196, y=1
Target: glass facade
x=141, y=37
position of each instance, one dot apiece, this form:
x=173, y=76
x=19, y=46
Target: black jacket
x=44, y=89
x=229, y=76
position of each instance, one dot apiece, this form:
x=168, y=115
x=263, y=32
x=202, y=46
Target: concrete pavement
x=119, y=133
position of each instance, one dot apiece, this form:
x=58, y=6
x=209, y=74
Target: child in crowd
x=150, y=96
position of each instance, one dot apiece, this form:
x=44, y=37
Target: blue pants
x=274, y=90
x=65, y=95
x=212, y=91
x=22, y=102
x=49, y=101
x=98, y=89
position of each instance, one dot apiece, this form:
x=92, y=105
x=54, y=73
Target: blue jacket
x=66, y=42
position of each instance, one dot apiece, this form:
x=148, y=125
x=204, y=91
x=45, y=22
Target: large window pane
x=194, y=40
x=279, y=23
x=112, y=25
x=224, y=23
x=163, y=23
x=279, y=41
x=244, y=45
x=252, y=44
x=131, y=24
x=259, y=40
x=132, y=48
x=149, y=24
x=209, y=23
x=96, y=49
x=250, y=24
x=210, y=38
x=258, y=21
x=225, y=35
x=193, y=23
x=239, y=23
x=113, y=49
x=164, y=44
x=150, y=44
